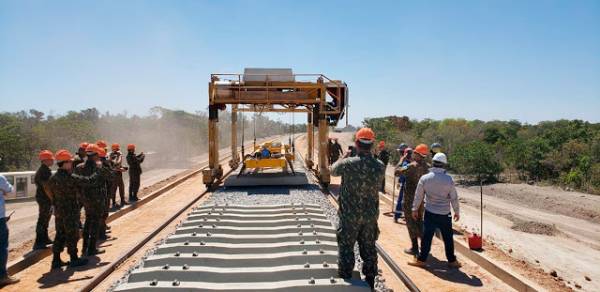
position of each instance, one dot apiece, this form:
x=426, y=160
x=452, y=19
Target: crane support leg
x=323, y=151
x=310, y=141
x=214, y=170
x=235, y=158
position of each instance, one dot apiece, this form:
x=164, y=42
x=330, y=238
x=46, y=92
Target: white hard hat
x=440, y=157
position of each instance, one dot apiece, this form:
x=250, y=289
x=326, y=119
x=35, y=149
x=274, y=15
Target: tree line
x=562, y=152
x=175, y=135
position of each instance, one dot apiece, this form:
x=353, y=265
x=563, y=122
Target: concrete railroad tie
x=247, y=248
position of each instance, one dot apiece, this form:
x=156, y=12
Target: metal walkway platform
x=268, y=177
x=247, y=248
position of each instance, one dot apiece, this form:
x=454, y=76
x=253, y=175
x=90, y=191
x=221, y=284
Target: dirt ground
x=547, y=198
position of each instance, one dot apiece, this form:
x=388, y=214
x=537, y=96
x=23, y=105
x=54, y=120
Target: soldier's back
x=359, y=195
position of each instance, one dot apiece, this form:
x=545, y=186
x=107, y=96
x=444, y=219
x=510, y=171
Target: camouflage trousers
x=91, y=227
x=117, y=183
x=415, y=227
x=44, y=214
x=67, y=234
x=366, y=234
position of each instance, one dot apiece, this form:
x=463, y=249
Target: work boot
x=39, y=244
x=57, y=262
x=95, y=251
x=455, y=264
x=77, y=261
x=371, y=282
x=417, y=263
x=412, y=251
x=8, y=280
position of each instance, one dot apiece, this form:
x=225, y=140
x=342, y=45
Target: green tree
x=476, y=159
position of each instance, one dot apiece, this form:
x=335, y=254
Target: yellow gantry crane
x=324, y=101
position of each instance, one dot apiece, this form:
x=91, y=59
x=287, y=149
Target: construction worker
x=105, y=190
x=404, y=161
x=336, y=151
x=413, y=172
x=92, y=198
x=102, y=144
x=5, y=278
x=437, y=188
x=135, y=171
x=384, y=156
x=42, y=175
x=435, y=148
x=64, y=189
x=116, y=158
x=359, y=206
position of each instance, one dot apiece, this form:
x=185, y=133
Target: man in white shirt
x=5, y=279
x=437, y=188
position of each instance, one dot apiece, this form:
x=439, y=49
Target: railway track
x=32, y=258
x=267, y=238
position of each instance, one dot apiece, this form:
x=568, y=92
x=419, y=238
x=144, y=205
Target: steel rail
x=109, y=269
x=35, y=257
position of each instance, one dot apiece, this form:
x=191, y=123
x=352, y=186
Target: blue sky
x=525, y=60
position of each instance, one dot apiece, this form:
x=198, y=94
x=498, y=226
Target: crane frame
x=324, y=100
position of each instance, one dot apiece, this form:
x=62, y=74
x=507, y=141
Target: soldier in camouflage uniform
x=359, y=207
x=413, y=172
x=105, y=189
x=80, y=159
x=92, y=198
x=64, y=189
x=43, y=199
x=135, y=171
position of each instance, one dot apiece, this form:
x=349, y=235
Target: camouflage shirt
x=412, y=175
x=362, y=176
x=134, y=162
x=65, y=189
x=91, y=191
x=42, y=175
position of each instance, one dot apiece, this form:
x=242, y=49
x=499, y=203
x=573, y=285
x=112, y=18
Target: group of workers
x=89, y=180
x=427, y=197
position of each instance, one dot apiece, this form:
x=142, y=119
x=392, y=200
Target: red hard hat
x=422, y=149
x=101, y=143
x=115, y=147
x=130, y=146
x=92, y=148
x=63, y=155
x=101, y=152
x=46, y=155
x=83, y=145
x=365, y=135
x=381, y=144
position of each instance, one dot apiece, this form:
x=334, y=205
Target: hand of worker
x=98, y=163
x=413, y=163
x=456, y=217
x=415, y=215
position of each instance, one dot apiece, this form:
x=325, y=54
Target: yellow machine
x=322, y=99
x=270, y=155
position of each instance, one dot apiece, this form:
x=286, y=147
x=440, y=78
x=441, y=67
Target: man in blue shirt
x=406, y=152
x=5, y=279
